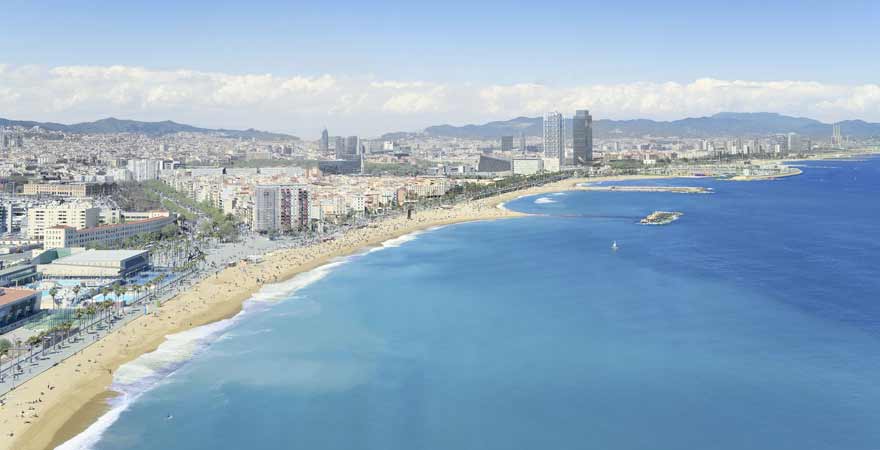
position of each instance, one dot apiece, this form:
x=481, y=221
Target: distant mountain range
x=113, y=125
x=721, y=124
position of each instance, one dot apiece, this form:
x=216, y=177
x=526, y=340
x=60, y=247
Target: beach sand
x=63, y=401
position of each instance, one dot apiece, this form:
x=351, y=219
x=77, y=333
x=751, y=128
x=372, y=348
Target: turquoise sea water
x=750, y=323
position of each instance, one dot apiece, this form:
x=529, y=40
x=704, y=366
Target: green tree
x=5, y=346
x=168, y=231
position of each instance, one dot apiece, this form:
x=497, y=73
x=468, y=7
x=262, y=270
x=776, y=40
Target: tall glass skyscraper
x=339, y=147
x=325, y=141
x=582, y=131
x=554, y=136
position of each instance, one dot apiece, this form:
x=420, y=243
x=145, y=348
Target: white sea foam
x=544, y=200
x=145, y=373
x=398, y=241
x=557, y=194
x=275, y=292
x=137, y=377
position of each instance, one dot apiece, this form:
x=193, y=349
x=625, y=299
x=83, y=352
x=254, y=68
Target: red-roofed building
x=17, y=304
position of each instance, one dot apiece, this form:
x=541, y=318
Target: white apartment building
x=77, y=216
x=551, y=165
x=144, y=169
x=527, y=166
x=357, y=203
x=280, y=208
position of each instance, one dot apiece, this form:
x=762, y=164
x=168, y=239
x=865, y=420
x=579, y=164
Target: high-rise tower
x=325, y=141
x=554, y=137
x=340, y=147
x=582, y=133
x=836, y=137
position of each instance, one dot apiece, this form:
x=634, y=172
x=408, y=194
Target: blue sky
x=562, y=44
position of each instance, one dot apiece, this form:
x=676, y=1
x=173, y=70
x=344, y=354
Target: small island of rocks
x=661, y=218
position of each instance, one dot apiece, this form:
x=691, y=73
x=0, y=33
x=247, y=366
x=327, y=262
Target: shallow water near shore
x=751, y=322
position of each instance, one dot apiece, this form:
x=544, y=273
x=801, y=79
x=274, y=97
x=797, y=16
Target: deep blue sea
x=753, y=322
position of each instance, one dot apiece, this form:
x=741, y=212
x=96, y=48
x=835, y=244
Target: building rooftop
x=8, y=296
x=18, y=268
x=98, y=256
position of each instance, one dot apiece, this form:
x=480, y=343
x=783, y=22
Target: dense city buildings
x=78, y=173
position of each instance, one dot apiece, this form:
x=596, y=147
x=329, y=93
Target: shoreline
x=81, y=386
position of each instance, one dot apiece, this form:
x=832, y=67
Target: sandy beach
x=63, y=401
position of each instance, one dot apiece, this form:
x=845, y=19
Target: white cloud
x=368, y=106
x=417, y=102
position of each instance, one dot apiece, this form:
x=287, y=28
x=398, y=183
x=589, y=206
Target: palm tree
x=53, y=293
x=76, y=290
x=65, y=327
x=157, y=282
x=78, y=316
x=135, y=289
x=119, y=292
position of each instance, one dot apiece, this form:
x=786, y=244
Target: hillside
x=721, y=124
x=112, y=125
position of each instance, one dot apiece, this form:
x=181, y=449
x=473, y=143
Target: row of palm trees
x=107, y=309
x=172, y=253
x=118, y=291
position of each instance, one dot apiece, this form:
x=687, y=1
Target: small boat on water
x=614, y=246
